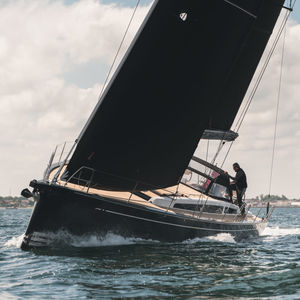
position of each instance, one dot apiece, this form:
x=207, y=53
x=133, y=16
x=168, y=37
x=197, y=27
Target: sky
x=55, y=56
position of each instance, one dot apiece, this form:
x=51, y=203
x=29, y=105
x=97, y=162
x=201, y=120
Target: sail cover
x=187, y=70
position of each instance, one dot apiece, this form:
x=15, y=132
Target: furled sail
x=186, y=71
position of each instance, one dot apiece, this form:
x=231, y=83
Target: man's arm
x=233, y=178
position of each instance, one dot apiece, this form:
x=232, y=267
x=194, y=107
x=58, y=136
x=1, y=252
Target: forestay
x=186, y=71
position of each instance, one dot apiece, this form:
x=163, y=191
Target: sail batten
x=186, y=71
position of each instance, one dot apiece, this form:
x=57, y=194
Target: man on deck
x=239, y=184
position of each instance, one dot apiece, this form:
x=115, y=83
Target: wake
x=64, y=238
x=280, y=232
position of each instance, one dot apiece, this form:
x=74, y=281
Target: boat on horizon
x=132, y=169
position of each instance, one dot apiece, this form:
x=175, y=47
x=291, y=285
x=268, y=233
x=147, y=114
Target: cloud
x=254, y=147
x=54, y=58
x=47, y=51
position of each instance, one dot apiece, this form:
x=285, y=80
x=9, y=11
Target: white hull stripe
x=172, y=224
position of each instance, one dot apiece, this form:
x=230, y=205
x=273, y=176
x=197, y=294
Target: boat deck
x=181, y=190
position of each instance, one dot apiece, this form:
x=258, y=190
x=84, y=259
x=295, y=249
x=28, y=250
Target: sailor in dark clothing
x=239, y=184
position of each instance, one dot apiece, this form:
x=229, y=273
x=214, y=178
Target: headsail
x=186, y=71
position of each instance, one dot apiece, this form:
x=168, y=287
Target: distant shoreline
x=8, y=208
x=252, y=206
x=277, y=206
x=10, y=202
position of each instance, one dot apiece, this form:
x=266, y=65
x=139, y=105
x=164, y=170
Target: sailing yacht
x=130, y=171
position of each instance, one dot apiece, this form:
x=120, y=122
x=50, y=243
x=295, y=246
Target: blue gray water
x=88, y=268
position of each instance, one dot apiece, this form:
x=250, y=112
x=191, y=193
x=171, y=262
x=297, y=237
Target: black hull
x=59, y=208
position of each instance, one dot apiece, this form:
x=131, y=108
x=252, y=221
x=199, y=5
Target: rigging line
x=207, y=149
x=246, y=107
x=206, y=158
x=261, y=76
x=252, y=94
x=261, y=73
x=226, y=155
x=221, y=144
x=120, y=46
x=277, y=110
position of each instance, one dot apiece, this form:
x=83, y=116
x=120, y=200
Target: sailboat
x=129, y=172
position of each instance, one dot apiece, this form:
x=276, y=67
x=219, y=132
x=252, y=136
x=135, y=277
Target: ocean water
x=267, y=267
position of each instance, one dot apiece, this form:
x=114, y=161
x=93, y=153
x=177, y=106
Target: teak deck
x=181, y=190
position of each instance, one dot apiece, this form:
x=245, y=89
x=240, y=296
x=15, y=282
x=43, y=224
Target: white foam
x=221, y=237
x=278, y=232
x=95, y=241
x=110, y=239
x=64, y=238
x=14, y=241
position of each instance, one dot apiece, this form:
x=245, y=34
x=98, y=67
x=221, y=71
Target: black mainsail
x=186, y=71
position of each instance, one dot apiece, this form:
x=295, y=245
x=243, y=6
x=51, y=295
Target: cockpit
x=207, y=179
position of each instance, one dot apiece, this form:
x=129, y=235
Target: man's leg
x=240, y=195
x=231, y=188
